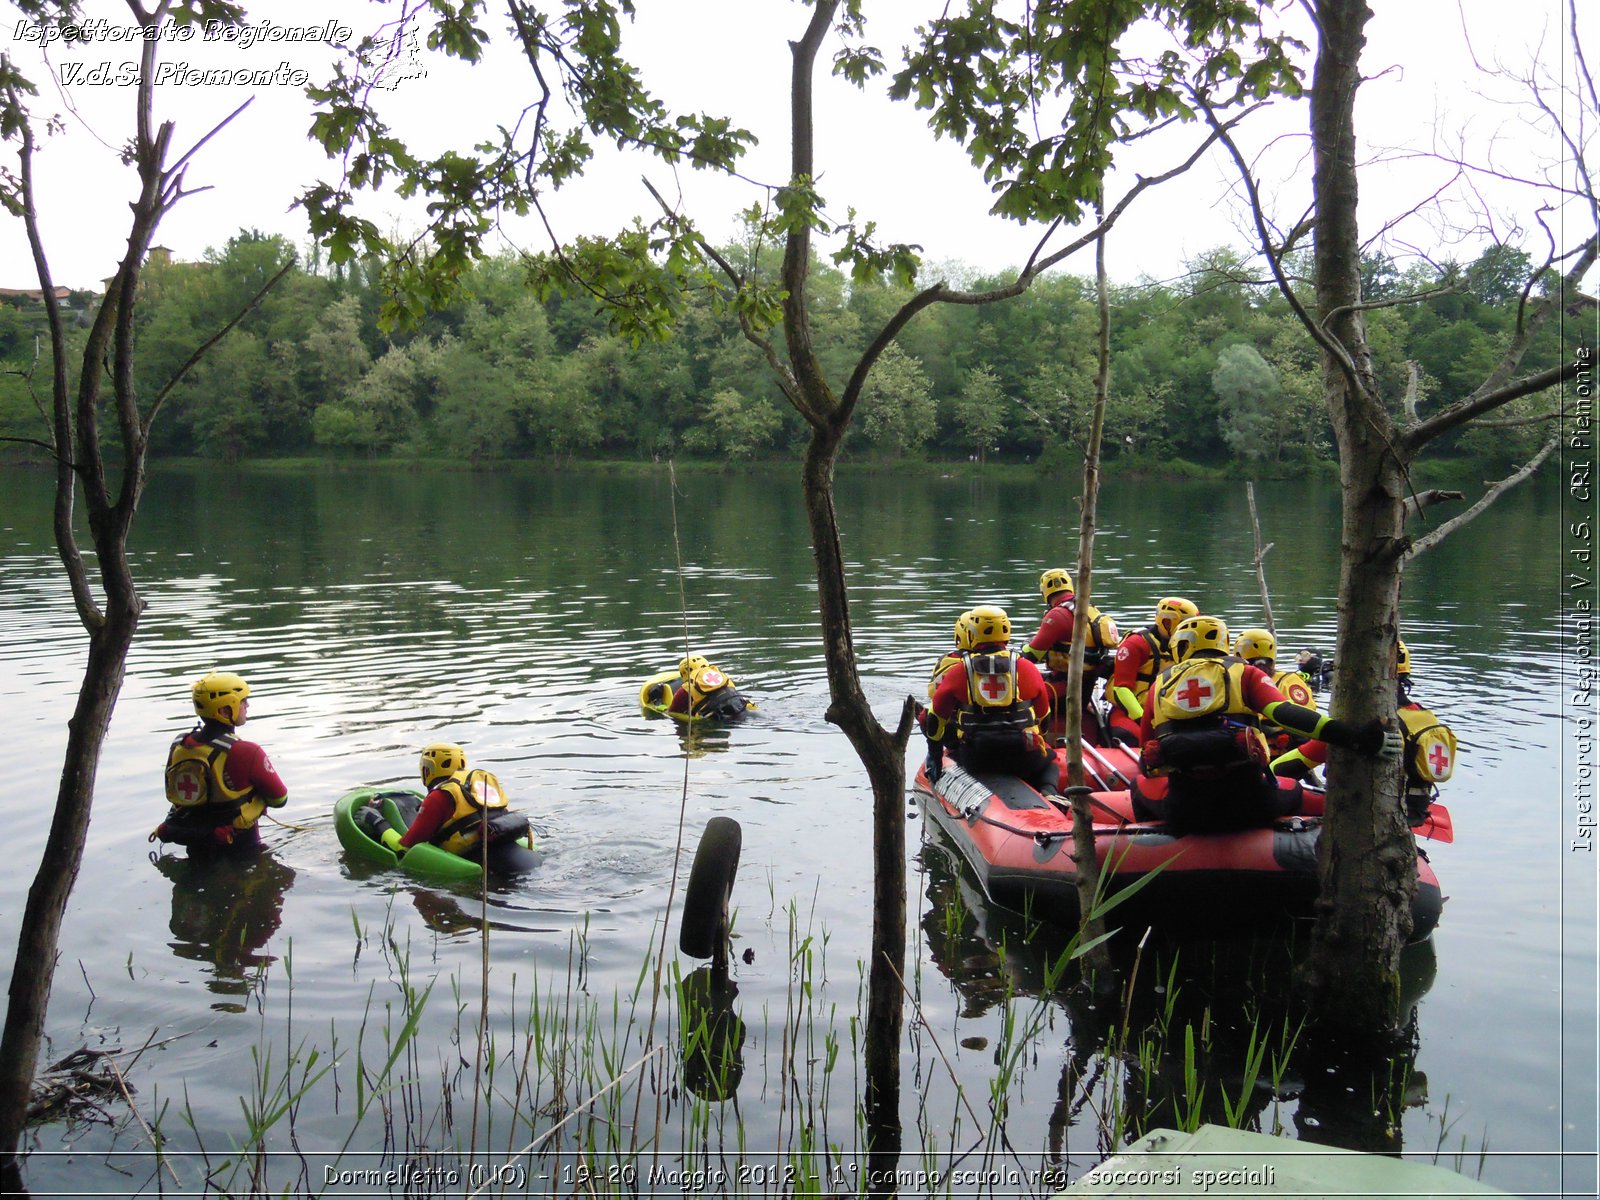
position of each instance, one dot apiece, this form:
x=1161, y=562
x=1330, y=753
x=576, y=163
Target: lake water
x=373, y=612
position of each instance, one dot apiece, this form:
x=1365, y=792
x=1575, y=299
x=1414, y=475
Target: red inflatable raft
x=1019, y=843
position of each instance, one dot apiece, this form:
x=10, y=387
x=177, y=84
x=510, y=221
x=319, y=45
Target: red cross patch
x=994, y=685
x=1193, y=694
x=1439, y=760
x=188, y=786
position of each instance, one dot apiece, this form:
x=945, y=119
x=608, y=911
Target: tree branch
x=66, y=470
x=797, y=245
x=1421, y=545
x=1499, y=388
x=1518, y=422
x=786, y=380
x=1408, y=403
x=1418, y=502
x=205, y=346
x=1318, y=331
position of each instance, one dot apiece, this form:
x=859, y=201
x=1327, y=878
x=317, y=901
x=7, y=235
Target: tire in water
x=705, y=901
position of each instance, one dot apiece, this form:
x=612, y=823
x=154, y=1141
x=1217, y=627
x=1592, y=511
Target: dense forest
x=1209, y=370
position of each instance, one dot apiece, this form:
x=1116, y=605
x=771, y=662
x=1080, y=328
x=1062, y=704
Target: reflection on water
x=225, y=909
x=374, y=612
x=711, y=1034
x=1187, y=1031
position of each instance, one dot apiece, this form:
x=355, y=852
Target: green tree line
x=1210, y=369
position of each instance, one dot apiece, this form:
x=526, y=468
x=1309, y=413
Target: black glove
x=1374, y=739
x=934, y=766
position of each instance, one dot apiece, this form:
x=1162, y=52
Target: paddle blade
x=1438, y=825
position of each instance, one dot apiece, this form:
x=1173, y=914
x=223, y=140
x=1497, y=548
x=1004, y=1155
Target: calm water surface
x=373, y=612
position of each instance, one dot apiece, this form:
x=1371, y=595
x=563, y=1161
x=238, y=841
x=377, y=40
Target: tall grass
x=1021, y=1073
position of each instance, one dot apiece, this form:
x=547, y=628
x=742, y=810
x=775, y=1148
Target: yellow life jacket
x=1160, y=657
x=474, y=792
x=995, y=720
x=1202, y=723
x=991, y=680
x=704, y=684
x=1296, y=689
x=1200, y=687
x=194, y=774
x=950, y=659
x=1100, y=643
x=1430, y=747
x=1155, y=662
x=195, y=779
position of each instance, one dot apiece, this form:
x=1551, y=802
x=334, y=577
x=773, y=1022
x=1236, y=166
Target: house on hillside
x=33, y=295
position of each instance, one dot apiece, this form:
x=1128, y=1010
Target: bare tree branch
x=1518, y=422
x=1319, y=333
x=1408, y=405
x=1413, y=298
x=1418, y=502
x=1499, y=388
x=1421, y=545
x=204, y=348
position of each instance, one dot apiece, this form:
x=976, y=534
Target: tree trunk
x=1090, y=926
x=883, y=756
x=42, y=917
x=1367, y=856
x=882, y=753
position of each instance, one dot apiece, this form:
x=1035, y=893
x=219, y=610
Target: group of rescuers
x=219, y=785
x=1215, y=717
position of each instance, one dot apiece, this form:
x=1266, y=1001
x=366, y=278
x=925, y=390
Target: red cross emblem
x=1193, y=693
x=1439, y=760
x=994, y=685
x=189, y=786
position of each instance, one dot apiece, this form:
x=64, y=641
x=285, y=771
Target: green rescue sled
x=399, y=805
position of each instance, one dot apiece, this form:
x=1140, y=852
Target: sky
x=731, y=56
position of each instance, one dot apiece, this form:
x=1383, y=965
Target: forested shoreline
x=1210, y=370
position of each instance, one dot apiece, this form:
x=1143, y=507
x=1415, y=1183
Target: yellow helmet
x=689, y=666
x=964, y=631
x=986, y=624
x=1054, y=580
x=1197, y=633
x=1256, y=643
x=1402, y=658
x=1171, y=610
x=441, y=760
x=218, y=697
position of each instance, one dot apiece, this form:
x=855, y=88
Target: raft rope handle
x=1088, y=794
x=1106, y=764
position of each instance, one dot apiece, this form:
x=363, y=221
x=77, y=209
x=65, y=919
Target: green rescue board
x=424, y=861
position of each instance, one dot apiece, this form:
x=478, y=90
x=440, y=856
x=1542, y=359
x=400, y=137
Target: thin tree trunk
x=883, y=756
x=108, y=355
x=882, y=753
x=1261, y=554
x=40, y=931
x=1090, y=927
